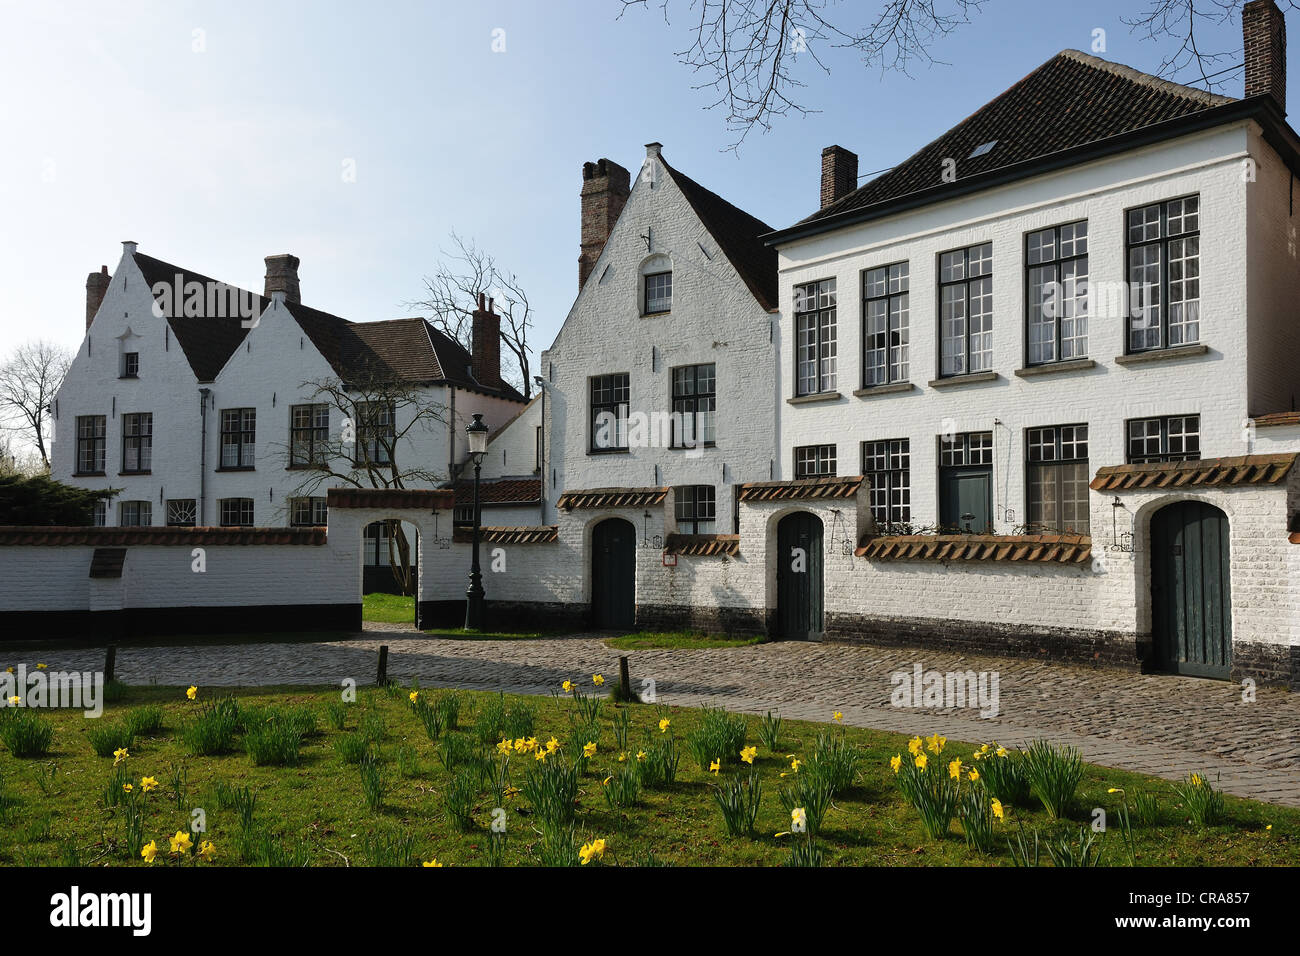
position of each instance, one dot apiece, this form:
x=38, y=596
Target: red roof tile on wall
x=139, y=537
x=541, y=534
x=425, y=499
x=802, y=488
x=1205, y=473
x=1046, y=548
x=613, y=498
x=703, y=545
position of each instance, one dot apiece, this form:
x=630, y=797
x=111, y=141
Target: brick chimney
x=282, y=276
x=839, y=174
x=96, y=286
x=1264, y=30
x=486, y=344
x=605, y=188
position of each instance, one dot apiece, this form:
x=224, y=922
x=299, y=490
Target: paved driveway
x=1167, y=726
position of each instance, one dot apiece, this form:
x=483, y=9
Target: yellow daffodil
x=641, y=755
x=15, y=700
x=119, y=755
x=10, y=669
x=921, y=761
x=954, y=768
x=798, y=819
x=1196, y=780
x=510, y=792
x=41, y=667
x=589, y=749
x=915, y=746
x=414, y=696
x=935, y=744
x=552, y=745
x=1115, y=790
x=568, y=686
x=192, y=693
x=622, y=758
x=147, y=784
x=149, y=851
x=541, y=755
x=207, y=850
x=663, y=725
x=748, y=754
x=1002, y=751
x=972, y=775
x=896, y=762
x=127, y=788
x=997, y=809
x=591, y=851
x=795, y=764
x=180, y=842
x=715, y=766
x=597, y=679
x=433, y=862
x=503, y=747
x=605, y=782
x=837, y=716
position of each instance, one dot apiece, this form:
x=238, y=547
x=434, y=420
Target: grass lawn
x=388, y=608
x=679, y=639
x=315, y=812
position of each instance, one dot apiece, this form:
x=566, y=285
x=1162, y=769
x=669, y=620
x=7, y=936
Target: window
x=966, y=310
x=376, y=432
x=1057, y=477
x=237, y=512
x=811, y=461
x=1169, y=438
x=538, y=449
x=100, y=512
x=887, y=464
x=1164, y=274
x=966, y=482
x=135, y=514
x=130, y=364
x=137, y=442
x=815, y=343
x=658, y=292
x=91, y=446
x=609, y=404
x=1057, y=288
x=463, y=515
x=696, y=509
x=182, y=512
x=695, y=401
x=238, y=436
x=308, y=512
x=309, y=432
x=884, y=314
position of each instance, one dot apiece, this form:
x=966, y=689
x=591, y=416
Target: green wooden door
x=799, y=577
x=613, y=574
x=966, y=500
x=1191, y=600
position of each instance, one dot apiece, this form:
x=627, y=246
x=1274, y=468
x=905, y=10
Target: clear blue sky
x=116, y=128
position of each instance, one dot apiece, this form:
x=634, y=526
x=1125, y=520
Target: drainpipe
x=541, y=457
x=451, y=446
x=204, y=393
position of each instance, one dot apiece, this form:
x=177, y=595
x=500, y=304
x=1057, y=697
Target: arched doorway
x=1191, y=600
x=613, y=574
x=799, y=577
x=390, y=571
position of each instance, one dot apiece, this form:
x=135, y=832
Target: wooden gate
x=613, y=574
x=1191, y=600
x=799, y=577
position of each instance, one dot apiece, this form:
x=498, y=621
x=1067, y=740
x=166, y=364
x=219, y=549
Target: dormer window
x=130, y=365
x=658, y=293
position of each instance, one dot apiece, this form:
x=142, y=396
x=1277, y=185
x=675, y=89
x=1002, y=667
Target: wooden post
x=624, y=681
x=110, y=663
x=382, y=679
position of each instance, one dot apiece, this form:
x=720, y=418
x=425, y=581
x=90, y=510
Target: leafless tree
x=376, y=418
x=28, y=383
x=1177, y=22
x=451, y=296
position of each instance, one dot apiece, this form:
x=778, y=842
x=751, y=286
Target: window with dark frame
x=376, y=432
x=100, y=513
x=130, y=364
x=1163, y=245
x=1057, y=478
x=609, y=411
x=238, y=437
x=309, y=432
x=1056, y=287
x=462, y=516
x=308, y=512
x=182, y=512
x=1164, y=438
x=816, y=347
x=813, y=461
x=658, y=293
x=236, y=512
x=92, y=448
x=966, y=310
x=885, y=318
x=695, y=401
x=377, y=544
x=137, y=443
x=887, y=465
x=135, y=514
x=966, y=482
x=696, y=509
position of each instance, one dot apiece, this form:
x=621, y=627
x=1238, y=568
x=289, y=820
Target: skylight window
x=983, y=149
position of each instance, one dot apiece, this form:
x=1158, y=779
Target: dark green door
x=799, y=577
x=966, y=500
x=613, y=574
x=1191, y=601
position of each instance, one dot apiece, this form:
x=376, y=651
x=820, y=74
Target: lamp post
x=477, y=433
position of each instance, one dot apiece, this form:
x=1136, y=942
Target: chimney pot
x=839, y=174
x=282, y=276
x=1263, y=30
x=485, y=345
x=129, y=247
x=605, y=188
x=96, y=287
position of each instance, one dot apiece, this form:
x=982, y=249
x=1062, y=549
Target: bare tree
x=378, y=416
x=747, y=51
x=451, y=296
x=28, y=383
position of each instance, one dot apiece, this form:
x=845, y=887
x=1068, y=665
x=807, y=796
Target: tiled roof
x=613, y=498
x=1073, y=100
x=425, y=499
x=523, y=491
x=1207, y=472
x=1047, y=548
x=107, y=562
x=700, y=545
x=845, y=487
x=737, y=233
x=208, y=342
x=156, y=535
x=1277, y=418
x=540, y=534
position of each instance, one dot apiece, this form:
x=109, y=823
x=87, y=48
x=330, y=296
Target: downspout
x=451, y=444
x=203, y=455
x=541, y=464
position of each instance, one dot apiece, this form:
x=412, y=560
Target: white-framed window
x=609, y=411
x=884, y=317
x=696, y=509
x=238, y=437
x=1164, y=274
x=1056, y=261
x=1164, y=438
x=816, y=346
x=966, y=310
x=182, y=512
x=308, y=512
x=137, y=442
x=1057, y=478
x=658, y=292
x=135, y=514
x=887, y=465
x=236, y=512
x=812, y=461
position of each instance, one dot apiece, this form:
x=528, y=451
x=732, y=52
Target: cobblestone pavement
x=1166, y=726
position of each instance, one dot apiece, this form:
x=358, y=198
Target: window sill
x=120, y=377
x=891, y=389
x=1163, y=355
x=128, y=474
x=236, y=468
x=656, y=315
x=89, y=474
x=702, y=447
x=1049, y=368
x=315, y=466
x=815, y=398
x=609, y=451
x=973, y=378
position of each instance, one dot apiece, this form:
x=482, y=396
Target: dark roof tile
x=1204, y=473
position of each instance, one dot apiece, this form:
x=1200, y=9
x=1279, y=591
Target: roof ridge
x=1148, y=79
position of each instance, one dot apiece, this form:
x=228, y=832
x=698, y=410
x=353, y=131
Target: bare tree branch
x=28, y=383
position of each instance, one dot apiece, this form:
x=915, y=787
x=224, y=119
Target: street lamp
x=477, y=433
